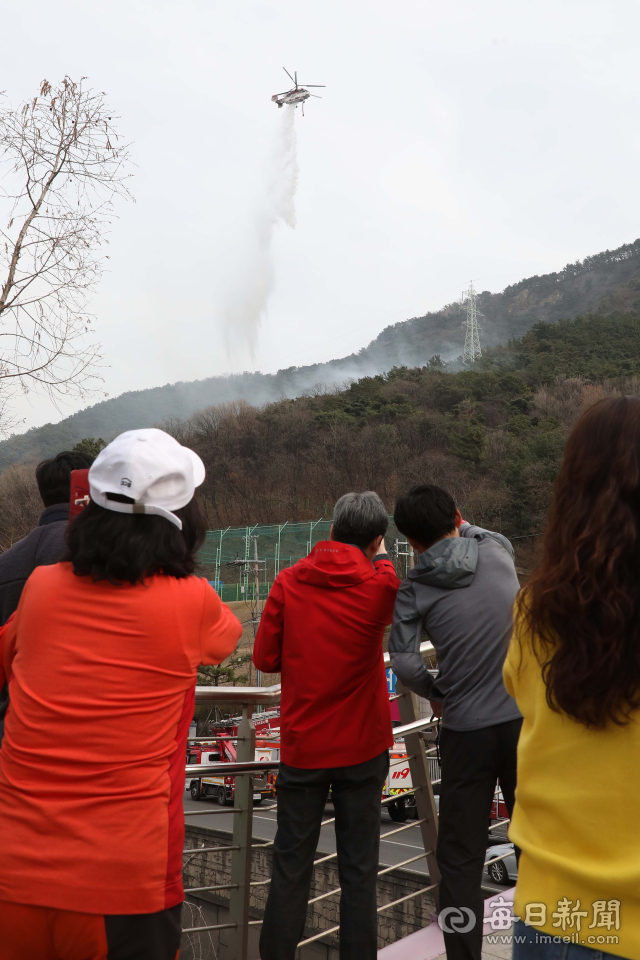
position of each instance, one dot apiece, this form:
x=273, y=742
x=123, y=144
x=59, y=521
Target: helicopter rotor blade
x=313, y=84
x=295, y=73
x=315, y=95
x=288, y=74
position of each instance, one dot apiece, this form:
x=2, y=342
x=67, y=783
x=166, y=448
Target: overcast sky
x=454, y=140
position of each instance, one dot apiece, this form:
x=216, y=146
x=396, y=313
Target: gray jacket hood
x=470, y=628
x=451, y=563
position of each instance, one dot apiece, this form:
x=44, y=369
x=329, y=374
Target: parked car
x=502, y=871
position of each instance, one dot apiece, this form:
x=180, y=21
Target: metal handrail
x=211, y=769
x=218, y=886
x=387, y=906
x=241, y=846
x=266, y=695
x=332, y=856
x=425, y=647
x=413, y=727
x=403, y=863
x=214, y=813
x=208, y=849
x=213, y=738
x=213, y=926
x=416, y=893
x=500, y=823
x=503, y=856
x=261, y=695
x=395, y=866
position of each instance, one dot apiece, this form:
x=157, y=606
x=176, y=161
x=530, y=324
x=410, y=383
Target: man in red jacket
x=322, y=629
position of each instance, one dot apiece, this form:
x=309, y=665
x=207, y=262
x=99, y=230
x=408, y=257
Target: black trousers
x=302, y=794
x=472, y=761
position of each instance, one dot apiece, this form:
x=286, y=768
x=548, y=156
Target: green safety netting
x=228, y=557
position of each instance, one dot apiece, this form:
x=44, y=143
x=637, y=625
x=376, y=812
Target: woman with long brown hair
x=574, y=670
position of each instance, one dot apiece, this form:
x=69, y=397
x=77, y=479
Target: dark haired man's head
x=426, y=514
x=54, y=476
x=360, y=519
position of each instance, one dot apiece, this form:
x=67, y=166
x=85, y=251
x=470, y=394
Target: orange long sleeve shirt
x=101, y=681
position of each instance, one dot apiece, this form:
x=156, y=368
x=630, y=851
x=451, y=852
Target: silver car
x=502, y=870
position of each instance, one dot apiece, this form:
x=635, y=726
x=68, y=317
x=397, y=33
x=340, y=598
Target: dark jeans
x=302, y=795
x=532, y=944
x=472, y=761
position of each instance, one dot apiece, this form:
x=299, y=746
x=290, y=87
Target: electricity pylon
x=472, y=351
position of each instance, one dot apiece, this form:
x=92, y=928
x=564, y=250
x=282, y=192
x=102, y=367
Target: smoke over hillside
x=607, y=283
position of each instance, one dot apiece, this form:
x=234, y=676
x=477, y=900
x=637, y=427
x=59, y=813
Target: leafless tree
x=61, y=166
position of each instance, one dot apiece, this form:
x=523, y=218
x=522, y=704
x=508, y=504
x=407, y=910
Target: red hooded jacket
x=322, y=629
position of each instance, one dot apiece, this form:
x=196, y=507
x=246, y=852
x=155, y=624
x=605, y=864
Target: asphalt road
x=393, y=851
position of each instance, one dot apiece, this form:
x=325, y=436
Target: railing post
x=242, y=837
x=425, y=803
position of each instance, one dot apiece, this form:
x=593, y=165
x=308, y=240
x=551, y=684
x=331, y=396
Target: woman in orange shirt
x=101, y=658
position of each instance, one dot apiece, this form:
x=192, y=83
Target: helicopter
x=296, y=95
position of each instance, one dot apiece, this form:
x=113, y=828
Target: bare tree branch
x=61, y=168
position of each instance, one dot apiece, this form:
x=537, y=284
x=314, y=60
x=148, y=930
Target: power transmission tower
x=472, y=351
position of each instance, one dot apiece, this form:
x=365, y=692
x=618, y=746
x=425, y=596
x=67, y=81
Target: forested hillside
x=493, y=436
x=606, y=284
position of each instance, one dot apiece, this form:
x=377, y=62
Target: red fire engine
x=221, y=787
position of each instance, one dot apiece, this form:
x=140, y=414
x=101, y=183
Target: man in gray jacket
x=462, y=593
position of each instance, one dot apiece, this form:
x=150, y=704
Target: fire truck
x=498, y=807
x=222, y=787
x=397, y=783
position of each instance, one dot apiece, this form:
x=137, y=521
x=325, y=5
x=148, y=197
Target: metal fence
x=411, y=731
x=232, y=557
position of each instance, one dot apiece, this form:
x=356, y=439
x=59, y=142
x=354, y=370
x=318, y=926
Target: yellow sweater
x=576, y=818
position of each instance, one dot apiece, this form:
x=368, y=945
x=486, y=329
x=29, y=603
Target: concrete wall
x=207, y=869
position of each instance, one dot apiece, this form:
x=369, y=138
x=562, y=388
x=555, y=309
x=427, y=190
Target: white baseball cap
x=149, y=466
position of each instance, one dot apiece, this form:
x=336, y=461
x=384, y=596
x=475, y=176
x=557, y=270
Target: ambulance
x=397, y=783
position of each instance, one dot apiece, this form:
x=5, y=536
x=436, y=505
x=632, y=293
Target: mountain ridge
x=605, y=283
